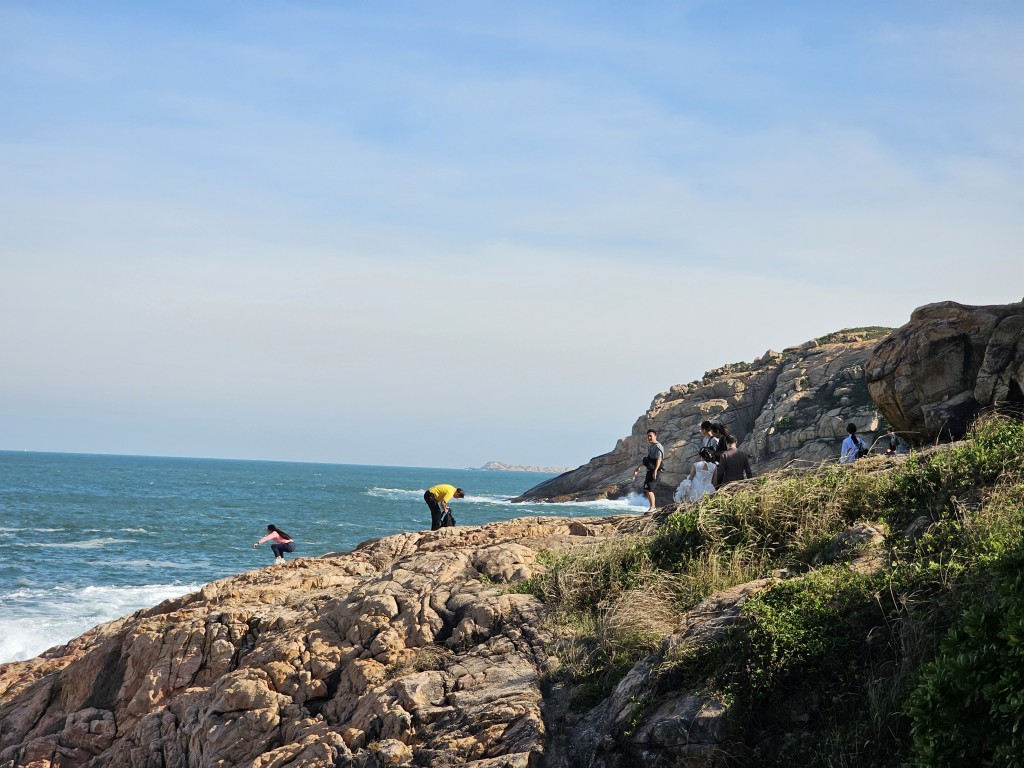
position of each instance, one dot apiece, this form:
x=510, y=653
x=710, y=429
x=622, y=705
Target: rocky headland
x=785, y=408
x=439, y=648
x=497, y=465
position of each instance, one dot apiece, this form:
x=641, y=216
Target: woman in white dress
x=698, y=484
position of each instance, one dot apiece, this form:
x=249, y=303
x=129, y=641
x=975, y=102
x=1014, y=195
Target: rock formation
x=785, y=407
x=409, y=650
x=931, y=377
x=492, y=465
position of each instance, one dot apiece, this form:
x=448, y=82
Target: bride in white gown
x=698, y=484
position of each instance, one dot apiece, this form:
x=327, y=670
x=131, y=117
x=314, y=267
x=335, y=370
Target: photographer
x=652, y=462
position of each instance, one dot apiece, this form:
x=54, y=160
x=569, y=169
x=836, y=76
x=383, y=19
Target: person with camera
x=652, y=463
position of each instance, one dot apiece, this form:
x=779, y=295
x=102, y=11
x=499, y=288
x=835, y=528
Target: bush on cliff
x=834, y=668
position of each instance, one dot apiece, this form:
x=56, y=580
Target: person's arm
x=265, y=538
x=657, y=467
x=716, y=477
x=693, y=471
x=747, y=471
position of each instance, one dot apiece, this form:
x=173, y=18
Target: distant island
x=497, y=465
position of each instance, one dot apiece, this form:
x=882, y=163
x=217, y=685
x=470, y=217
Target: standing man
x=652, y=462
x=733, y=464
x=437, y=499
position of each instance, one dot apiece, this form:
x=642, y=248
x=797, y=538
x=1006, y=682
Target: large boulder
x=785, y=408
x=931, y=377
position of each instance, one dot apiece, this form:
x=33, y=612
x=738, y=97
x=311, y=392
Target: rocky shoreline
x=408, y=650
x=419, y=650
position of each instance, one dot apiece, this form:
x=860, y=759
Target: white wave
x=134, y=530
x=396, y=493
x=157, y=564
x=598, y=505
x=87, y=544
x=37, y=619
x=35, y=530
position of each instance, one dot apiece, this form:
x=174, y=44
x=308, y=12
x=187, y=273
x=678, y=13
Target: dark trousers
x=438, y=517
x=280, y=549
x=436, y=513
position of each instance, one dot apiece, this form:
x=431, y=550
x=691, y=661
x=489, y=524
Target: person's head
x=731, y=441
x=705, y=427
x=851, y=428
x=652, y=436
x=889, y=431
x=707, y=454
x=271, y=528
x=278, y=531
x=459, y=493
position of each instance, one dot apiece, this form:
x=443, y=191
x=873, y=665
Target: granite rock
x=951, y=361
x=786, y=408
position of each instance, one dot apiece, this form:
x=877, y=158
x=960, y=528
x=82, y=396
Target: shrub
x=969, y=706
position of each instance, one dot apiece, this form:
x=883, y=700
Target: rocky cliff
x=786, y=407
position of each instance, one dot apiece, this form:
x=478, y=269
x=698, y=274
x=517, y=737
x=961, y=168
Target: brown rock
x=931, y=377
x=789, y=407
x=327, y=661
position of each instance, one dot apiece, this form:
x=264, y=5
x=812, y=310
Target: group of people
x=720, y=462
x=854, y=448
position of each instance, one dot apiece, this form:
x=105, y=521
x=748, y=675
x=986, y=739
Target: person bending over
x=437, y=499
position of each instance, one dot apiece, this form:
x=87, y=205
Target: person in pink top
x=281, y=543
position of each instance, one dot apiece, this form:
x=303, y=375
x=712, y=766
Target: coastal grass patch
x=837, y=668
x=832, y=667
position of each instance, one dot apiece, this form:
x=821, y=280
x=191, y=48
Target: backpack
x=862, y=449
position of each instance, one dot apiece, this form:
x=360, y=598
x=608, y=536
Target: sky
x=438, y=234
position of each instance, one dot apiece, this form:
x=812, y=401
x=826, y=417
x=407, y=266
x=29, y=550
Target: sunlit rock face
x=931, y=377
x=788, y=407
x=409, y=650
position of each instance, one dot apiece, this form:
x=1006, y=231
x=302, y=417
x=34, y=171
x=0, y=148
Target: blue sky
x=439, y=234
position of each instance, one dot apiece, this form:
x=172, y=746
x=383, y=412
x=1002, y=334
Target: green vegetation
x=918, y=661
x=867, y=332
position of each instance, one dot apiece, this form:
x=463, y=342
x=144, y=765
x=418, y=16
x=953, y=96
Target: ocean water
x=89, y=538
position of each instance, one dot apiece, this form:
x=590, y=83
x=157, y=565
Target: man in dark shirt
x=733, y=464
x=652, y=463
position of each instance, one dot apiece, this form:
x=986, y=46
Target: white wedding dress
x=700, y=486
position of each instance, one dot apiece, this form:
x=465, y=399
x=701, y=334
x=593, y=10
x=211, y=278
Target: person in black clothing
x=733, y=465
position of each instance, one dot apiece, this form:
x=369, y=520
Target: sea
x=88, y=538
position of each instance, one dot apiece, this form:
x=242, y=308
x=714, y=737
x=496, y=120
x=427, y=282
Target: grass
x=861, y=658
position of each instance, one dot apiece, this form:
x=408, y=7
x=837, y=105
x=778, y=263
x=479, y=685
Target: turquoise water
x=90, y=538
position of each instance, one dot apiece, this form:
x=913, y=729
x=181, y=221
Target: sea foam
x=49, y=617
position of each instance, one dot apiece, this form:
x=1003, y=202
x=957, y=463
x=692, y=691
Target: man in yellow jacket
x=437, y=499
